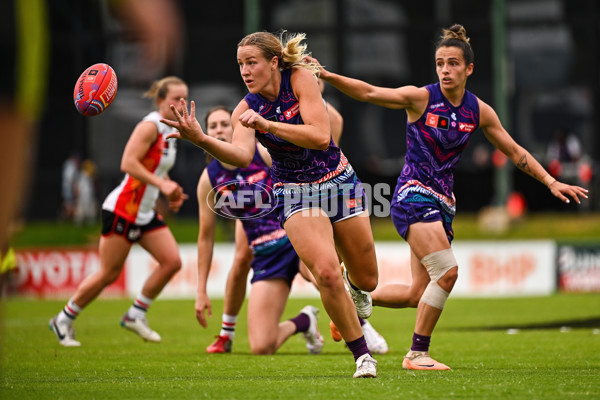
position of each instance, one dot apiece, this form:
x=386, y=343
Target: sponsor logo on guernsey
x=465, y=127
x=436, y=105
x=437, y=121
x=257, y=177
x=292, y=112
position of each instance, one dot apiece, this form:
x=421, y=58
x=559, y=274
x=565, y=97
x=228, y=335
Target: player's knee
x=109, y=276
x=438, y=264
x=173, y=265
x=367, y=283
x=443, y=271
x=449, y=279
x=263, y=348
x=242, y=262
x=327, y=274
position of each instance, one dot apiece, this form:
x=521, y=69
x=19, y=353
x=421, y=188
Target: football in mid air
x=95, y=89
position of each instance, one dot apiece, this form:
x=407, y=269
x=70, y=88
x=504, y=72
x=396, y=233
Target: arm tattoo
x=523, y=165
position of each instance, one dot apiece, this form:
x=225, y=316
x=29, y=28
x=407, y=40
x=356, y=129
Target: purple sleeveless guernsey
x=292, y=163
x=435, y=143
x=263, y=232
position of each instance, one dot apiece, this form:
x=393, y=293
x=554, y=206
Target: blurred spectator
x=86, y=204
x=565, y=147
x=70, y=171
x=567, y=161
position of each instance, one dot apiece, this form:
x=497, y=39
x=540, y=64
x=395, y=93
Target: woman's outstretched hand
x=562, y=190
x=188, y=126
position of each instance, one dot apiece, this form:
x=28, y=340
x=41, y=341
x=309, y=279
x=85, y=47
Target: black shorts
x=112, y=223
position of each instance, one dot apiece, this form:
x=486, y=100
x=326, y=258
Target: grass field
x=560, y=226
x=541, y=361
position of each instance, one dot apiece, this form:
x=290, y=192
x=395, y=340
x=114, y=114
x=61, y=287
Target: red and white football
x=95, y=89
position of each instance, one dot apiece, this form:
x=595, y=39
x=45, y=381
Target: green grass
x=561, y=226
x=486, y=363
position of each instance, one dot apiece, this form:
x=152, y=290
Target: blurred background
x=536, y=61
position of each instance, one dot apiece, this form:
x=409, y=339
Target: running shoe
x=420, y=360
x=314, y=340
x=64, y=332
x=366, y=367
x=221, y=345
x=375, y=342
x=140, y=326
x=362, y=300
x=335, y=334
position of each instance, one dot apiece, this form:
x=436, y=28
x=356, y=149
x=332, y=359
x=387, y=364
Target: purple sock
x=362, y=321
x=302, y=322
x=420, y=343
x=358, y=347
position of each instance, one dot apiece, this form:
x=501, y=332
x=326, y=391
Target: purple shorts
x=340, y=197
x=420, y=207
x=280, y=261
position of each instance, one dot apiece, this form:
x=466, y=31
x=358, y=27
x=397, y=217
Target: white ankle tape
x=435, y=296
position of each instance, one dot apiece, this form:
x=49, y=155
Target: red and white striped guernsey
x=133, y=199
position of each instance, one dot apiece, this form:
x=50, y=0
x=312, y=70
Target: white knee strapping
x=437, y=265
x=435, y=296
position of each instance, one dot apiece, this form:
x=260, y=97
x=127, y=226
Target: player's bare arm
x=206, y=237
x=142, y=138
x=411, y=98
x=499, y=137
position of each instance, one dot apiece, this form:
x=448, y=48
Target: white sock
x=69, y=313
x=228, y=326
x=139, y=307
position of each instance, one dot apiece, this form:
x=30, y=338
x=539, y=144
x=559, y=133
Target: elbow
x=243, y=163
x=125, y=168
x=246, y=159
x=323, y=142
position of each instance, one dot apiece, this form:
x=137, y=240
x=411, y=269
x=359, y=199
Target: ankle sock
x=228, y=326
x=420, y=343
x=69, y=313
x=358, y=347
x=139, y=307
x=302, y=322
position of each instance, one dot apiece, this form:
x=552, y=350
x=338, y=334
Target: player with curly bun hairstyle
x=441, y=119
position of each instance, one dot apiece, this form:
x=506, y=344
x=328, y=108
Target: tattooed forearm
x=523, y=165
